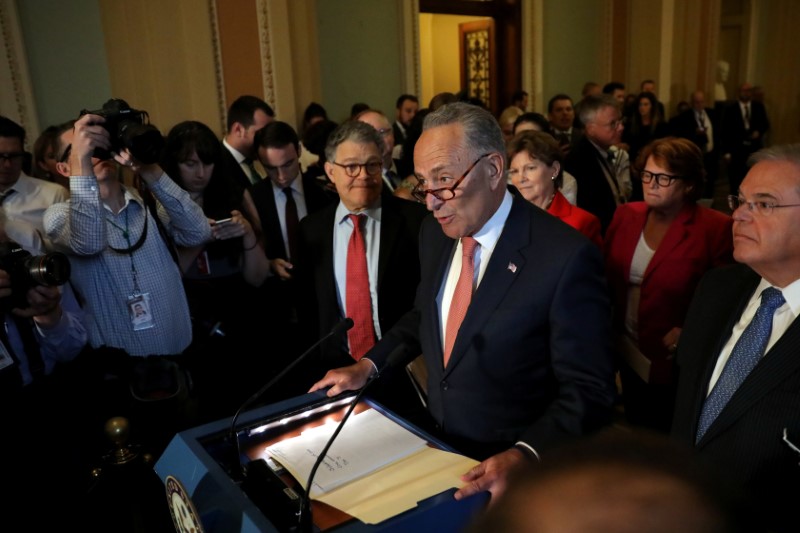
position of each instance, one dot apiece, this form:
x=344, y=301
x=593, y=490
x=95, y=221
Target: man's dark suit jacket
x=685, y=126
x=737, y=141
x=264, y=198
x=532, y=360
x=746, y=439
x=594, y=193
x=398, y=273
x=234, y=169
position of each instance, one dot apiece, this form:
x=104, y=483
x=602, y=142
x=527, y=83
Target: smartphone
x=222, y=221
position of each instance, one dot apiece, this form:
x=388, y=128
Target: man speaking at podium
x=511, y=312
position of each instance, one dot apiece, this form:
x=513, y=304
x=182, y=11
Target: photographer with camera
x=121, y=258
x=42, y=333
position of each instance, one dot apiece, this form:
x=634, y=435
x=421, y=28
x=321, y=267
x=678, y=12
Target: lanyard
x=131, y=248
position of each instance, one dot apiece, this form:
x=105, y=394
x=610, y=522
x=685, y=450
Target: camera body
x=27, y=271
x=129, y=128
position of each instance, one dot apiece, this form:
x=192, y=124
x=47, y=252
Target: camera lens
x=143, y=140
x=50, y=269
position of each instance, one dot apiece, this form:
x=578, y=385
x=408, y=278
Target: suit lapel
x=501, y=272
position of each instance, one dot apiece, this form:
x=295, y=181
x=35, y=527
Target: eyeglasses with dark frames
x=65, y=155
x=444, y=193
x=663, y=180
x=354, y=169
x=760, y=207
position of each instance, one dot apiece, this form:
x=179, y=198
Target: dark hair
x=277, y=135
x=314, y=110
x=403, y=97
x=243, y=108
x=680, y=157
x=46, y=142
x=655, y=114
x=588, y=86
x=222, y=194
x=358, y=107
x=612, y=86
x=442, y=99
x=539, y=145
x=535, y=118
x=405, y=167
x=316, y=138
x=518, y=95
x=556, y=98
x=644, y=82
x=9, y=128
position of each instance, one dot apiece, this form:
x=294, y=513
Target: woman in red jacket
x=656, y=252
x=535, y=168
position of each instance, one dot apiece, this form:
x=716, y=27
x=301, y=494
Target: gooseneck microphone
x=395, y=358
x=338, y=329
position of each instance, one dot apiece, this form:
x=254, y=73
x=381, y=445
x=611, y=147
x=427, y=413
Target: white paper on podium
x=368, y=442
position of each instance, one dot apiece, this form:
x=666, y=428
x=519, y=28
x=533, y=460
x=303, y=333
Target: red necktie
x=292, y=222
x=359, y=304
x=461, y=296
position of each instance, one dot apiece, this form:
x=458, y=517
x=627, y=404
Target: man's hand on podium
x=491, y=475
x=347, y=378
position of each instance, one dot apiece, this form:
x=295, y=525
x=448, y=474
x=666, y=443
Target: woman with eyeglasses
x=535, y=170
x=656, y=252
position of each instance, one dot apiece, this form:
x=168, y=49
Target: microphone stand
x=304, y=515
x=339, y=328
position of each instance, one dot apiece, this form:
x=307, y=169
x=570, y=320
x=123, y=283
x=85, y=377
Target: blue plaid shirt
x=88, y=230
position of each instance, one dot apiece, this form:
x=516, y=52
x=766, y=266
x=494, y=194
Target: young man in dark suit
x=283, y=199
x=246, y=115
x=387, y=233
x=738, y=400
x=511, y=313
x=745, y=123
x=699, y=125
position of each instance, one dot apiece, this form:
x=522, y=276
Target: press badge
x=140, y=312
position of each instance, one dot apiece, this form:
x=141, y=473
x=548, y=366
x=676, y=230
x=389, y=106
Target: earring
x=554, y=177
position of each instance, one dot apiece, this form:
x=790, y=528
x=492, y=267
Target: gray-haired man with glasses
x=739, y=356
x=511, y=314
x=358, y=257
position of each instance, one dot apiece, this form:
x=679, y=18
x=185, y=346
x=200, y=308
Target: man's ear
x=329, y=172
x=63, y=169
x=497, y=168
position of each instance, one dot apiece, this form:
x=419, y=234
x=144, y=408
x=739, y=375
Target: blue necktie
x=744, y=357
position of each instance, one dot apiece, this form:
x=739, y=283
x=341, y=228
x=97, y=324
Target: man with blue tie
x=738, y=399
x=511, y=312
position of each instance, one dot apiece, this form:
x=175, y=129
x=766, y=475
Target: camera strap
x=150, y=202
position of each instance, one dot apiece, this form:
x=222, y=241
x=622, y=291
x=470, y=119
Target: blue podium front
x=203, y=464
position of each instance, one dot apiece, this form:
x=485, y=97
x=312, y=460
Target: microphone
x=342, y=326
x=395, y=358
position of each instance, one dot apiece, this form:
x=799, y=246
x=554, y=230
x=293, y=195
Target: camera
x=129, y=128
x=27, y=271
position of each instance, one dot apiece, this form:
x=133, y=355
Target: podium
x=199, y=465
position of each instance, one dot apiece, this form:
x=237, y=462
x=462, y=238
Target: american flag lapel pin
x=512, y=267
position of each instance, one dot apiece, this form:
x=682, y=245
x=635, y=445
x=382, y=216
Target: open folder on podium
x=381, y=473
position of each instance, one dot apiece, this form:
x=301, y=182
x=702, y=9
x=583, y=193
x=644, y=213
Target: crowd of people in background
x=194, y=277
